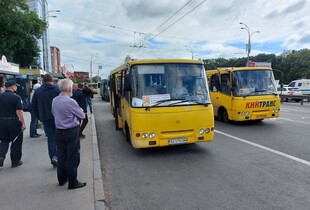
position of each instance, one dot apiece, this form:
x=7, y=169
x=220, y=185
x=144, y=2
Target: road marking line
x=266, y=148
x=295, y=121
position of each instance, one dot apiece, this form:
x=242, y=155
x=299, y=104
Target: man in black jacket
x=42, y=108
x=79, y=96
x=88, y=95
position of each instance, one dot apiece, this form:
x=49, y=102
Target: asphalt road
x=247, y=166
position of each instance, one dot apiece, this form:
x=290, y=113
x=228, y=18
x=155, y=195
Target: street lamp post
x=91, y=66
x=191, y=50
x=249, y=39
x=45, y=42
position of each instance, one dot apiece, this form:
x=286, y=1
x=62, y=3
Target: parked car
x=289, y=91
x=301, y=84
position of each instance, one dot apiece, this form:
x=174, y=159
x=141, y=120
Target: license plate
x=177, y=141
x=260, y=116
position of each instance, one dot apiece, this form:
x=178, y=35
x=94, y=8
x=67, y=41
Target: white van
x=301, y=84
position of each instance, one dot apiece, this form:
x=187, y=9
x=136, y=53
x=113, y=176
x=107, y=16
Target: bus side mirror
x=127, y=84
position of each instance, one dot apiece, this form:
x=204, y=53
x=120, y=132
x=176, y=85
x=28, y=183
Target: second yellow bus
x=243, y=93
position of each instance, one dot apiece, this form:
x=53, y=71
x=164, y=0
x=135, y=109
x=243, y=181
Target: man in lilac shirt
x=67, y=114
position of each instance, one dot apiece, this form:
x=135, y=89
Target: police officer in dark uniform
x=12, y=124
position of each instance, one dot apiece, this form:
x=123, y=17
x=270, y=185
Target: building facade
x=41, y=8
x=55, y=58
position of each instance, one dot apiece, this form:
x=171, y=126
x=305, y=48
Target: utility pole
x=248, y=48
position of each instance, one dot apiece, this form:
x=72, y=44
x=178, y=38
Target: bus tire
x=225, y=116
x=222, y=115
x=128, y=139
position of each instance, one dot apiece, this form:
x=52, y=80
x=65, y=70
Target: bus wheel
x=225, y=116
x=127, y=134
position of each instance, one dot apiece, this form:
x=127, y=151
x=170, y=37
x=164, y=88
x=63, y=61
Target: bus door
x=214, y=92
x=220, y=87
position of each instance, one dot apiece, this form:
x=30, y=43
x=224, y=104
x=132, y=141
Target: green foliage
x=96, y=79
x=20, y=29
x=288, y=66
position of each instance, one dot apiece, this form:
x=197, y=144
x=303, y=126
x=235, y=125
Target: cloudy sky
x=105, y=31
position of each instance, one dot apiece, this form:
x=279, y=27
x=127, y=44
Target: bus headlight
x=242, y=113
x=207, y=130
x=144, y=135
x=246, y=113
x=201, y=131
x=152, y=135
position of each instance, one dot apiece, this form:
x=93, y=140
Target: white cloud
x=110, y=28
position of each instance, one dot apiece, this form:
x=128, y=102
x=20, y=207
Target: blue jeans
x=33, y=124
x=49, y=129
x=89, y=103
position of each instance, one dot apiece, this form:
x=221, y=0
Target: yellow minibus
x=162, y=102
x=243, y=93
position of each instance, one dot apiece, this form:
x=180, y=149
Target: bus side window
x=214, y=83
x=225, y=83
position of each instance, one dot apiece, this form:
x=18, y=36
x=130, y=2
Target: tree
x=20, y=29
x=96, y=79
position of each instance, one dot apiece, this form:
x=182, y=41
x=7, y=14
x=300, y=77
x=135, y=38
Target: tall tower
x=41, y=8
x=55, y=55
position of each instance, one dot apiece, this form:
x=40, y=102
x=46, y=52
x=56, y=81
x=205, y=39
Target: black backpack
x=27, y=104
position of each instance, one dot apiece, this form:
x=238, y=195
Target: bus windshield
x=172, y=84
x=254, y=82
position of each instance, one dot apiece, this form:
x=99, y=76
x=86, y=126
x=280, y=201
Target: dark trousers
x=33, y=124
x=68, y=144
x=9, y=129
x=84, y=123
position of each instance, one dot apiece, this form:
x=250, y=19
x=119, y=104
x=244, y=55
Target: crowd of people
x=62, y=109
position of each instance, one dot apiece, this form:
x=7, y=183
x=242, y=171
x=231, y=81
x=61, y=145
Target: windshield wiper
x=260, y=91
x=162, y=101
x=185, y=100
x=166, y=100
x=178, y=101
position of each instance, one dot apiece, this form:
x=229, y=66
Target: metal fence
x=300, y=99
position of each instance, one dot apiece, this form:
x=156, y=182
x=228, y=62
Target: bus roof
x=225, y=69
x=155, y=61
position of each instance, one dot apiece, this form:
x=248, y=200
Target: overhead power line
x=173, y=23
x=168, y=19
x=150, y=34
x=179, y=19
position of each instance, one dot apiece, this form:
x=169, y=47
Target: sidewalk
x=34, y=184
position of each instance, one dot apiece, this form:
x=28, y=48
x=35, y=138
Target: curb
x=99, y=198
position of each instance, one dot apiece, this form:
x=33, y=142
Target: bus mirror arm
x=127, y=84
